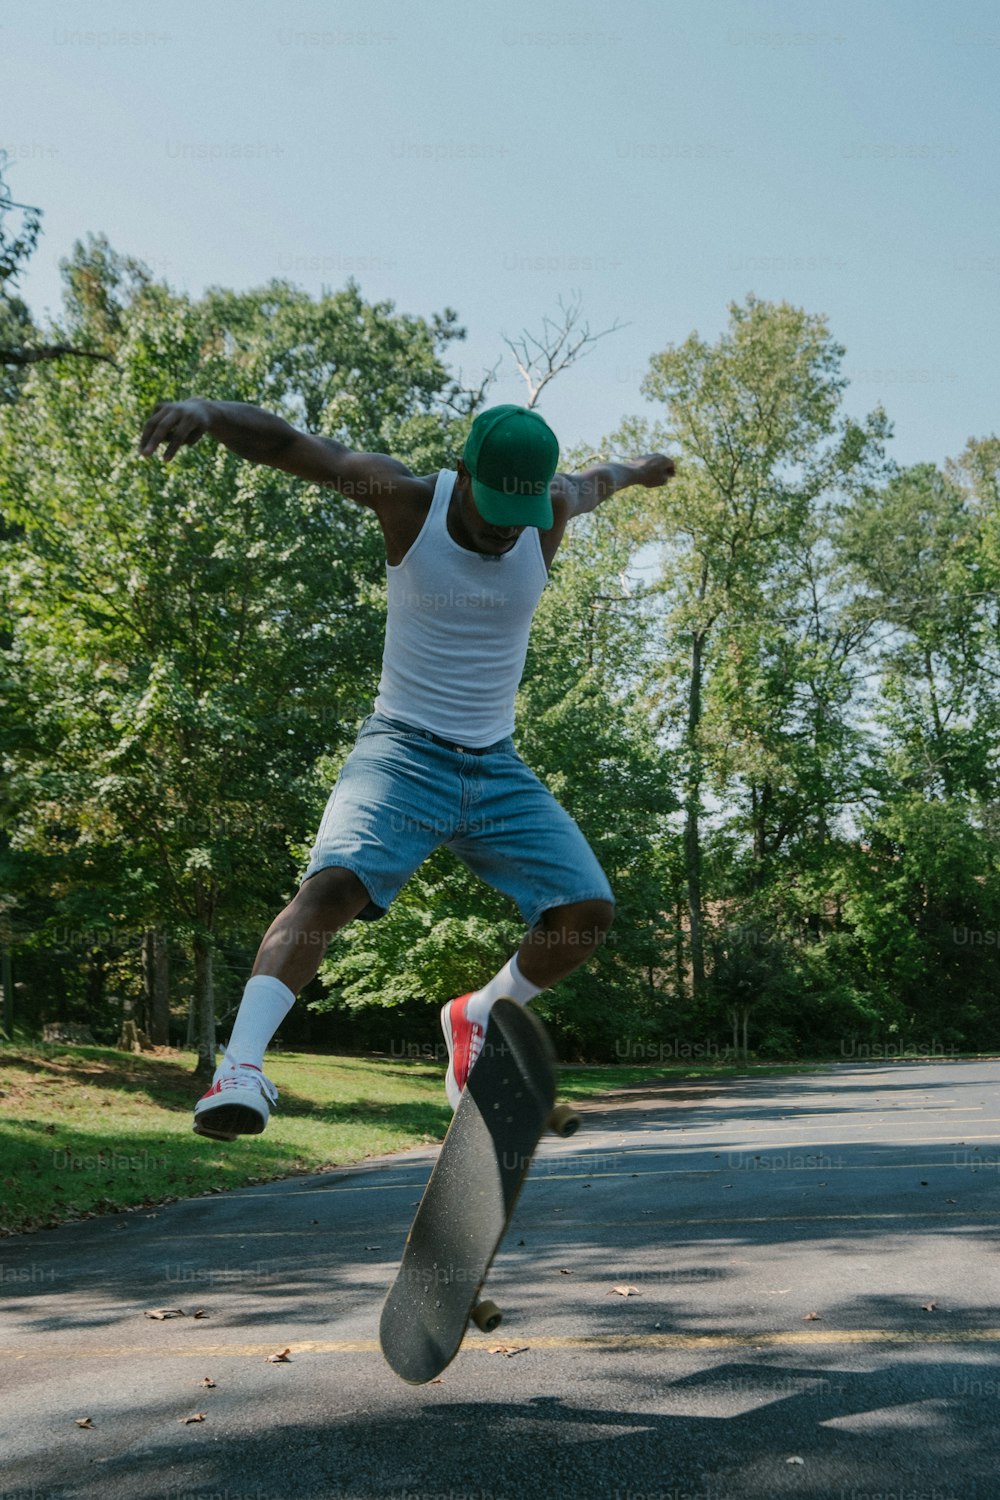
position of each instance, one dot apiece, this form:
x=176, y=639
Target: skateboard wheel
x=564, y=1120
x=487, y=1316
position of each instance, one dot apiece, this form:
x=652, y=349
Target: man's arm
x=586, y=491
x=262, y=438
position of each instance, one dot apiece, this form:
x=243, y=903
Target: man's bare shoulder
x=403, y=512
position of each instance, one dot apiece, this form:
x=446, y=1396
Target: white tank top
x=457, y=630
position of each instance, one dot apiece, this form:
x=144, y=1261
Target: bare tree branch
x=465, y=400
x=6, y=203
x=539, y=360
x=50, y=351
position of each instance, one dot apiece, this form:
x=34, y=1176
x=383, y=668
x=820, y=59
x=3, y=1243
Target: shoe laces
x=476, y=1039
x=235, y=1076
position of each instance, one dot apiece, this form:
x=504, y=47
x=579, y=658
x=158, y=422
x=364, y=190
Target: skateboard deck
x=466, y=1207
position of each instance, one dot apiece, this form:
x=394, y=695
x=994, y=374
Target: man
x=467, y=557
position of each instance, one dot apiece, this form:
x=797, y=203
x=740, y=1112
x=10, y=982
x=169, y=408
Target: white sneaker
x=238, y=1103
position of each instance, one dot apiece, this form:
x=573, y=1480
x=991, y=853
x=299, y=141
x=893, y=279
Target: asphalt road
x=813, y=1309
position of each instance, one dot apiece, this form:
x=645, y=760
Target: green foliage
x=809, y=686
x=185, y=640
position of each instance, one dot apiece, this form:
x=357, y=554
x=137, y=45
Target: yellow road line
x=610, y=1343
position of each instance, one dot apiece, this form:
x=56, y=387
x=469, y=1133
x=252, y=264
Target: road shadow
x=736, y=1430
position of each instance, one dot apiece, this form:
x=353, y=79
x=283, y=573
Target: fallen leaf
x=509, y=1350
x=623, y=1291
x=197, y=1416
x=160, y=1313
x=812, y=1317
x=281, y=1358
x=84, y=1422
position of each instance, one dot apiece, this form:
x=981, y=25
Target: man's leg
x=289, y=956
x=525, y=844
x=564, y=938
x=294, y=945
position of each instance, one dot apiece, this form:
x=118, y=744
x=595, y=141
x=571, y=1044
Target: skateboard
x=467, y=1204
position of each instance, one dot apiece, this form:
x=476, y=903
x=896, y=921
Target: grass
x=92, y=1130
x=88, y=1130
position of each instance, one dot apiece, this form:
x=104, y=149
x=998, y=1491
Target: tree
x=927, y=896
x=764, y=446
x=190, y=639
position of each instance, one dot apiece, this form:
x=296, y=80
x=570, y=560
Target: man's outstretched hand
x=176, y=423
x=657, y=469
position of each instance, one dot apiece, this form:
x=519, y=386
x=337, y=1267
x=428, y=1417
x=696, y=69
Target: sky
x=660, y=160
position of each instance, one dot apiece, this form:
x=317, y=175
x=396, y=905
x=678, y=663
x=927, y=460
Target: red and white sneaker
x=238, y=1103
x=465, y=1042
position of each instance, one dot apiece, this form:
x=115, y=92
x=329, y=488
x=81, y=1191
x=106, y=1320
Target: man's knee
x=586, y=922
x=335, y=894
x=597, y=918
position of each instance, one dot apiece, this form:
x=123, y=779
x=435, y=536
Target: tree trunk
x=155, y=986
x=96, y=971
x=740, y=1017
x=692, y=838
x=204, y=988
x=760, y=804
x=204, y=1000
x=7, y=983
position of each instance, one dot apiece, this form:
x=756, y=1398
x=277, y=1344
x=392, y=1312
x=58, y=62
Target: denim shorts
x=402, y=794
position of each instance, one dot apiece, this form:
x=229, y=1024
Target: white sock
x=509, y=984
x=265, y=1004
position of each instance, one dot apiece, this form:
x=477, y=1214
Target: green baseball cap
x=511, y=454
